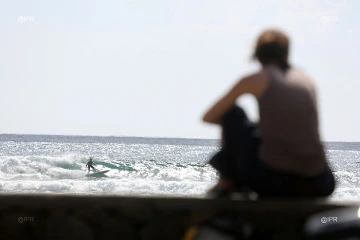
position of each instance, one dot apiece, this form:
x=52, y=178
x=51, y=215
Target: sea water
x=138, y=166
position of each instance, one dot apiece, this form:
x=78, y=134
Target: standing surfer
x=90, y=165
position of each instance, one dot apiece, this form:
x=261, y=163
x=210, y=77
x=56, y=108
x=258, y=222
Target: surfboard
x=105, y=171
x=97, y=173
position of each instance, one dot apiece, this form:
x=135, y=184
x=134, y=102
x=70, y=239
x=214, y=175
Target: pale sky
x=152, y=68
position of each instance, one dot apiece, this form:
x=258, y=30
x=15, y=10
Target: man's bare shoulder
x=300, y=75
x=256, y=82
x=256, y=77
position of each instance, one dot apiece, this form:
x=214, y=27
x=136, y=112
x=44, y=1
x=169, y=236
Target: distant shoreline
x=98, y=136
x=16, y=135
x=107, y=139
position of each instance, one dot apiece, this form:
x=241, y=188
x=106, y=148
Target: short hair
x=272, y=46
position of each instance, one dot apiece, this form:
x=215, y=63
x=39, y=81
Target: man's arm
x=254, y=84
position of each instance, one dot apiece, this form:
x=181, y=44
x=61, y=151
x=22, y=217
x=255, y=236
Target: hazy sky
x=152, y=68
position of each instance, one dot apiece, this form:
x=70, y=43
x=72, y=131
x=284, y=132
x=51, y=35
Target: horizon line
x=127, y=136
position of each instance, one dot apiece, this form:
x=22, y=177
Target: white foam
x=38, y=168
x=349, y=194
x=45, y=174
x=166, y=177
x=108, y=186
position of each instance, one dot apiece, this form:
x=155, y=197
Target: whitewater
x=41, y=164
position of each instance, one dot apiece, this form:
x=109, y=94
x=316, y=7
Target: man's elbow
x=209, y=119
x=205, y=118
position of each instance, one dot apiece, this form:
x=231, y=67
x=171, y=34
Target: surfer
x=90, y=165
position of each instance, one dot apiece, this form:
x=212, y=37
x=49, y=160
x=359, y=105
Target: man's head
x=272, y=47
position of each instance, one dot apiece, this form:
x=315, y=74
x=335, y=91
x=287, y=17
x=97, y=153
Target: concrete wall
x=113, y=217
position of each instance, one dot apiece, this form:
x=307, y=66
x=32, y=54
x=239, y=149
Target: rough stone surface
x=113, y=217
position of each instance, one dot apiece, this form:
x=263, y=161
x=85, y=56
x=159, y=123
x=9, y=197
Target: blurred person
x=282, y=155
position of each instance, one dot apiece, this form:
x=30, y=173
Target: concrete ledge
x=115, y=217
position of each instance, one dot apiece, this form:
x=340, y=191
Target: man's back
x=289, y=124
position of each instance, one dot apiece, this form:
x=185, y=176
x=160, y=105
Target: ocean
x=49, y=164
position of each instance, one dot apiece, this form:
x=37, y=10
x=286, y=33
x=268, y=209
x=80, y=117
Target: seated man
x=282, y=155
